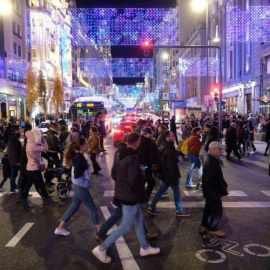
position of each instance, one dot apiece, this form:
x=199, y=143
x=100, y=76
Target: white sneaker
x=61, y=232
x=149, y=251
x=101, y=255
x=2, y=189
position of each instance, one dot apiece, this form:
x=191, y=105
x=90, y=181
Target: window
x=19, y=51
x=268, y=65
x=19, y=30
x=29, y=56
x=231, y=64
x=14, y=27
x=17, y=8
x=34, y=53
x=14, y=48
x=248, y=58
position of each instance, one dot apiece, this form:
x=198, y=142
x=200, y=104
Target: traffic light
x=158, y=106
x=216, y=94
x=146, y=47
x=223, y=104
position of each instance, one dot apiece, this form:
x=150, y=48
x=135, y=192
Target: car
x=124, y=128
x=44, y=127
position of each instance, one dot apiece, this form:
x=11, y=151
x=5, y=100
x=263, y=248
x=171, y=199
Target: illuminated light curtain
x=17, y=68
x=110, y=26
x=251, y=25
x=189, y=67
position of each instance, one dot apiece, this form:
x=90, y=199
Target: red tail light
x=117, y=131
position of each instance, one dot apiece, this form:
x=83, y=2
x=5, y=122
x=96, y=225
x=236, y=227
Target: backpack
x=184, y=147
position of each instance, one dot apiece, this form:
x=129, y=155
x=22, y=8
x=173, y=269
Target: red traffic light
x=146, y=43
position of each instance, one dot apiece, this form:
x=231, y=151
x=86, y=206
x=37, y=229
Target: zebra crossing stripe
x=266, y=192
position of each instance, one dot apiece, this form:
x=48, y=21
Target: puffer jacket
x=94, y=143
x=36, y=144
x=194, y=144
x=129, y=187
x=53, y=141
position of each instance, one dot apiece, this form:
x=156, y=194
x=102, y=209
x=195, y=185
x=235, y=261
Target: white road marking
x=14, y=241
x=237, y=193
x=34, y=194
x=266, y=192
x=198, y=193
x=127, y=259
x=225, y=204
x=2, y=194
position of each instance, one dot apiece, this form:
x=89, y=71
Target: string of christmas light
x=117, y=67
x=105, y=26
x=190, y=67
x=16, y=69
x=252, y=25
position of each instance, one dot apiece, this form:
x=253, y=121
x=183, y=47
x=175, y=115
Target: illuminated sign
x=264, y=99
x=89, y=104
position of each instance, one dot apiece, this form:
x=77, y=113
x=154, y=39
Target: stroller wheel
x=60, y=186
x=63, y=192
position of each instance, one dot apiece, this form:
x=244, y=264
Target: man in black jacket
x=129, y=191
x=148, y=154
x=171, y=172
x=231, y=141
x=14, y=148
x=214, y=187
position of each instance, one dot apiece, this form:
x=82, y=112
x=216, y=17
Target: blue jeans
x=81, y=195
x=132, y=214
x=13, y=175
x=176, y=193
x=112, y=220
x=194, y=163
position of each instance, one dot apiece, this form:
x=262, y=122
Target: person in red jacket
x=194, y=146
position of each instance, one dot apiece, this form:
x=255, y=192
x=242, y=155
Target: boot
x=25, y=205
x=51, y=202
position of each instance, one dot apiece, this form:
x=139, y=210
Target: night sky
x=126, y=51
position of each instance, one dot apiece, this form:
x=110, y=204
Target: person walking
x=171, y=175
x=94, y=148
x=194, y=146
x=14, y=149
x=81, y=180
x=129, y=190
x=214, y=187
x=231, y=142
x=6, y=170
x=173, y=128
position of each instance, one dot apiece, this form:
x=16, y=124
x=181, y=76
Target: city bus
x=95, y=106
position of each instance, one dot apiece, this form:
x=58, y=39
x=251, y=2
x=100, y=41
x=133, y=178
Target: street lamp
x=5, y=7
x=199, y=5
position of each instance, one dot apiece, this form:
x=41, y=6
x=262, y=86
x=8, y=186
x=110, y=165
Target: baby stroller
x=65, y=185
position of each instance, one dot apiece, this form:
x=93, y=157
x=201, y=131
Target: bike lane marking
x=222, y=259
x=247, y=250
x=14, y=241
x=126, y=257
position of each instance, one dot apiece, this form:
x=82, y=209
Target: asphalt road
x=28, y=241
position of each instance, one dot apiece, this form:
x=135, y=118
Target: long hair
x=72, y=148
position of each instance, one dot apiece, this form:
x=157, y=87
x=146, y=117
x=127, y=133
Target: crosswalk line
x=225, y=204
x=2, y=194
x=266, y=192
x=14, y=241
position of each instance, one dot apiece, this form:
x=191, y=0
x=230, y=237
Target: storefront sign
x=179, y=104
x=264, y=99
x=165, y=96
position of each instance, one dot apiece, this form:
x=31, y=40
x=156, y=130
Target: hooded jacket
x=194, y=144
x=14, y=147
x=53, y=141
x=169, y=161
x=35, y=145
x=126, y=172
x=94, y=143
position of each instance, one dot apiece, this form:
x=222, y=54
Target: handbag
x=41, y=165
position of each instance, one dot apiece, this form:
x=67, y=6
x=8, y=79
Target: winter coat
x=213, y=184
x=186, y=132
x=194, y=144
x=62, y=138
x=23, y=161
x=36, y=144
x=129, y=183
x=72, y=137
x=94, y=143
x=6, y=167
x=14, y=148
x=53, y=142
x=240, y=132
x=169, y=162
x=147, y=152
x=267, y=132
x=231, y=139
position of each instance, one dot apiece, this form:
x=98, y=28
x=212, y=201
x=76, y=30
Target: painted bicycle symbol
x=228, y=246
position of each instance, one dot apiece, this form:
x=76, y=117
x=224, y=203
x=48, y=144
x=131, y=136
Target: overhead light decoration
x=189, y=67
x=251, y=25
x=107, y=26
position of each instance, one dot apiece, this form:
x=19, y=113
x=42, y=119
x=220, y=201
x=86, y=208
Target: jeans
x=132, y=214
x=194, y=163
x=176, y=193
x=36, y=178
x=81, y=195
x=111, y=221
x=212, y=214
x=13, y=175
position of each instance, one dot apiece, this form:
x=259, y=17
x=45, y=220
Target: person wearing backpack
x=194, y=146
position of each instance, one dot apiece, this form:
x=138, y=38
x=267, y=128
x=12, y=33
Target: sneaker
x=217, y=233
x=182, y=214
x=191, y=186
x=26, y=206
x=99, y=239
x=149, y=251
x=203, y=229
x=2, y=189
x=152, y=211
x=61, y=232
x=101, y=255
x=13, y=191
